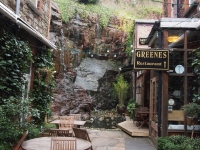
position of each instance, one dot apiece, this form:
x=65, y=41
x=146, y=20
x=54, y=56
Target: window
x=27, y=76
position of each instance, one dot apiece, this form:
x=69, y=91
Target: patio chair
x=62, y=143
x=76, y=116
x=18, y=145
x=66, y=123
x=82, y=134
x=136, y=117
x=58, y=132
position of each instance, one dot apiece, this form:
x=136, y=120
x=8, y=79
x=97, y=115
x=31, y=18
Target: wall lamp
x=173, y=39
x=138, y=89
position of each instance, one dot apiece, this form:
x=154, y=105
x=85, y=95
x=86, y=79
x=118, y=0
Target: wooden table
x=144, y=116
x=44, y=143
x=76, y=122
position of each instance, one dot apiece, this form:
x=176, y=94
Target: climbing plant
x=43, y=84
x=15, y=57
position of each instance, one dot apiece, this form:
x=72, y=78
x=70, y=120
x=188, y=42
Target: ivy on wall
x=15, y=57
x=43, y=84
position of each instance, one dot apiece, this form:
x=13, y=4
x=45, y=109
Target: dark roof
x=153, y=30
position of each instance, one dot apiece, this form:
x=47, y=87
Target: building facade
x=169, y=90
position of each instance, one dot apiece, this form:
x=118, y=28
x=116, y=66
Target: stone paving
x=118, y=140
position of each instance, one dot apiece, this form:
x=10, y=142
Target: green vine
x=43, y=84
x=15, y=57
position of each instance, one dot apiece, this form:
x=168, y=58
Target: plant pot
x=121, y=109
x=191, y=121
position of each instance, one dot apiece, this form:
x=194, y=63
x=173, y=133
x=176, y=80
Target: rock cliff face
x=86, y=63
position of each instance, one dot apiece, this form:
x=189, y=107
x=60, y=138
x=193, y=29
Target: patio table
x=44, y=143
x=76, y=122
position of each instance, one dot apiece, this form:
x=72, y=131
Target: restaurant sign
x=142, y=41
x=151, y=59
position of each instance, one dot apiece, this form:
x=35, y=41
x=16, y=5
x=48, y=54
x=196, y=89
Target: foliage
x=49, y=126
x=120, y=89
x=71, y=9
x=89, y=1
x=192, y=110
x=43, y=84
x=13, y=121
x=131, y=104
x=15, y=57
x=196, y=64
x=178, y=142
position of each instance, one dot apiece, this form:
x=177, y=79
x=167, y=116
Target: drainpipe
x=177, y=9
x=17, y=7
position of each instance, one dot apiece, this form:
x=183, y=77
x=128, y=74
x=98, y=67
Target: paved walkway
x=118, y=140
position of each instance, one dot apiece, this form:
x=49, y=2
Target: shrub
x=178, y=142
x=89, y=1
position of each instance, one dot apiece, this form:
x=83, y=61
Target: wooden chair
x=67, y=123
x=82, y=134
x=18, y=145
x=58, y=132
x=76, y=116
x=62, y=143
x=136, y=117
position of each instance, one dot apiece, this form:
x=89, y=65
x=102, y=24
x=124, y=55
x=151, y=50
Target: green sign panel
x=151, y=59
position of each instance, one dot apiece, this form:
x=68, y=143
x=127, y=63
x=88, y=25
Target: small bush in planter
x=178, y=142
x=121, y=87
x=192, y=110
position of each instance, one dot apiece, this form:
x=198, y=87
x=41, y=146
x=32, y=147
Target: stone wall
x=85, y=62
x=37, y=17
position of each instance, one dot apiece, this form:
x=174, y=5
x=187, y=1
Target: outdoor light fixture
x=172, y=38
x=115, y=55
x=138, y=89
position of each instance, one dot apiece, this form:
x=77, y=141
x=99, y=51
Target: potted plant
x=192, y=110
x=130, y=107
x=120, y=89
